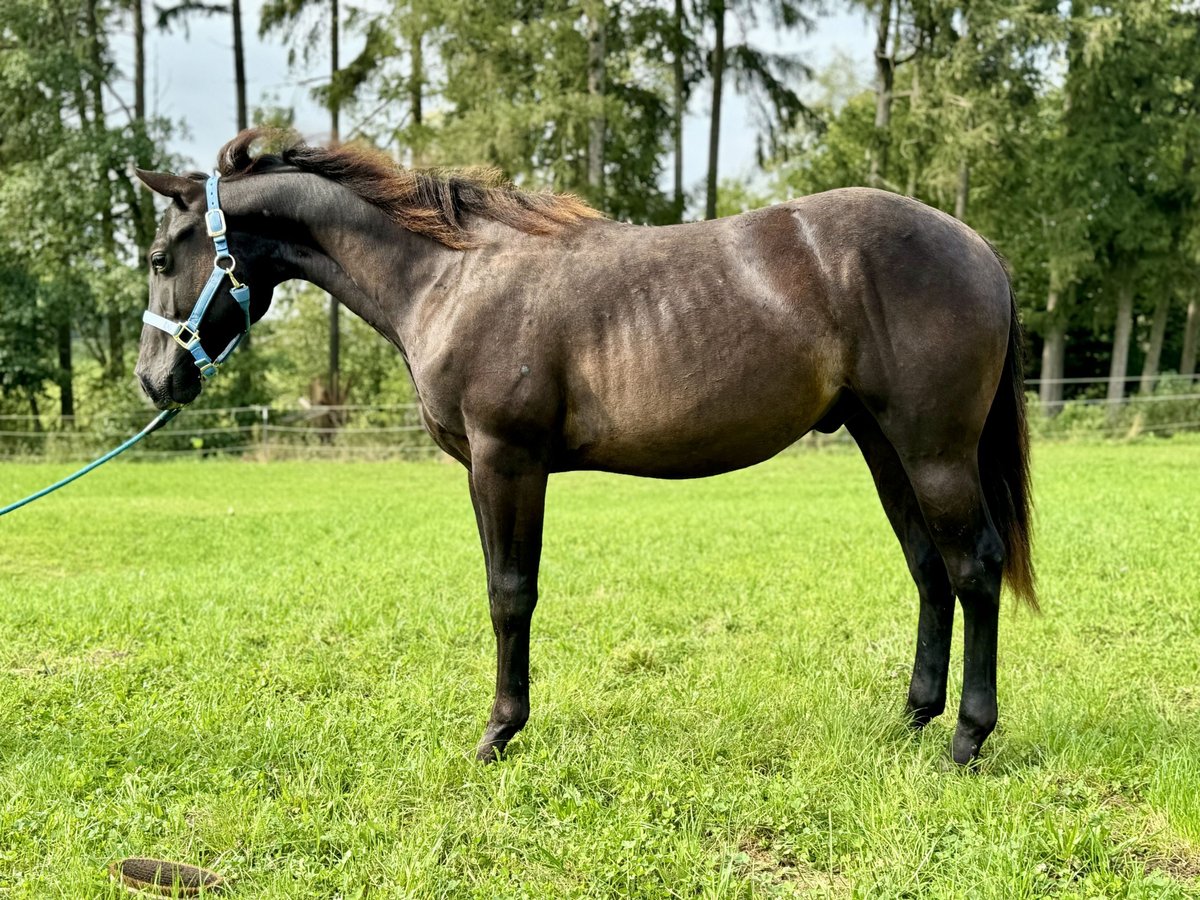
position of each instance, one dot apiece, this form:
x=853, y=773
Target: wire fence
x=255, y=432
x=265, y=433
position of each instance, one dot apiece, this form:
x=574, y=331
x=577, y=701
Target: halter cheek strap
x=187, y=334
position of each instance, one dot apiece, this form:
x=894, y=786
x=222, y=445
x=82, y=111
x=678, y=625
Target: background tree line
x=1065, y=132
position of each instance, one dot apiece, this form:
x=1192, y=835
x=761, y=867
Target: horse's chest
x=449, y=439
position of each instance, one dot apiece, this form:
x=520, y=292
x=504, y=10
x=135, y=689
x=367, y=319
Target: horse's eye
x=158, y=260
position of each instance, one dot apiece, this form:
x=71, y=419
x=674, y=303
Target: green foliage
x=25, y=351
x=739, y=196
x=830, y=154
x=1126, y=122
x=71, y=219
x=1173, y=407
x=517, y=97
x=716, y=710
x=294, y=338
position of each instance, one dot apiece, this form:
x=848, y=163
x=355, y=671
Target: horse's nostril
x=185, y=385
x=145, y=382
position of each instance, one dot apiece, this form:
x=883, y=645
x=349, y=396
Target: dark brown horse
x=542, y=338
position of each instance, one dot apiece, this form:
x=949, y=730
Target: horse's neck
x=374, y=267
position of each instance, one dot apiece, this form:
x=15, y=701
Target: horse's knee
x=951, y=499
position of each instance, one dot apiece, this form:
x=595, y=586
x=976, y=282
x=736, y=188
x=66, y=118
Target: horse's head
x=182, y=260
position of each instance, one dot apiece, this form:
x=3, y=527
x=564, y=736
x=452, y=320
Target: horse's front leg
x=508, y=489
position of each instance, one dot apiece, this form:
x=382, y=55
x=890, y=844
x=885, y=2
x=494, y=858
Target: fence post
x=265, y=413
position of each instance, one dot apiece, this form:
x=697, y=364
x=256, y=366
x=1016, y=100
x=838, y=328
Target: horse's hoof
x=494, y=742
x=965, y=749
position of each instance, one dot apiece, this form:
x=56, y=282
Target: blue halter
x=187, y=334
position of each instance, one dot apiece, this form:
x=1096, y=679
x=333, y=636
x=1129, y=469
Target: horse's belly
x=692, y=426
x=707, y=455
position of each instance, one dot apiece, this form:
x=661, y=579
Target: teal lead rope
x=160, y=420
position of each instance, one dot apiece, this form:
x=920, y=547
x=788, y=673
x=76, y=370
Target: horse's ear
x=177, y=187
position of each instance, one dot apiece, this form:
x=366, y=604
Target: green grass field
x=281, y=670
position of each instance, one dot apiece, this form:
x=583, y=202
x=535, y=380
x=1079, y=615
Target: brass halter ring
x=228, y=271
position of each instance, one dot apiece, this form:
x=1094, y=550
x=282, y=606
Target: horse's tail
x=1004, y=466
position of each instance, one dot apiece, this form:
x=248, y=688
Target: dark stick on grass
x=162, y=878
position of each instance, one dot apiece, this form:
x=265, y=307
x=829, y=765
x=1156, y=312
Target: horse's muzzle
x=179, y=390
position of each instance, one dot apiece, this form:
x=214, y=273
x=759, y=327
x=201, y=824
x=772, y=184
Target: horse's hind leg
x=948, y=489
x=927, y=689
x=508, y=490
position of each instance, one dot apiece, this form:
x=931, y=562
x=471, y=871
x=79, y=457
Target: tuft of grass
x=280, y=671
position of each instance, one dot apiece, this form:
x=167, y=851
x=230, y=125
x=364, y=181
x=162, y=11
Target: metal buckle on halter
x=191, y=341
x=214, y=221
x=208, y=370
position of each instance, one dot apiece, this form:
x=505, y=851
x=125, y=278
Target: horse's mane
x=433, y=203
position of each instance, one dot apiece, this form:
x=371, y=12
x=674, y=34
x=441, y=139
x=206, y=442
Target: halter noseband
x=187, y=334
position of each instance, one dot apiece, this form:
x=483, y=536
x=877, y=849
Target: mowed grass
x=280, y=671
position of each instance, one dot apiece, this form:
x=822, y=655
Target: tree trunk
x=141, y=198
x=415, y=88
x=335, y=350
x=1053, y=353
x=1191, y=333
x=714, y=131
x=914, y=102
x=116, y=343
x=34, y=411
x=595, y=86
x=885, y=73
x=66, y=370
x=416, y=79
x=1158, y=328
x=239, y=64
x=139, y=62
x=962, y=191
x=69, y=35
x=96, y=64
x=335, y=133
x=1120, y=352
x=335, y=337
x=114, y=317
x=677, y=64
